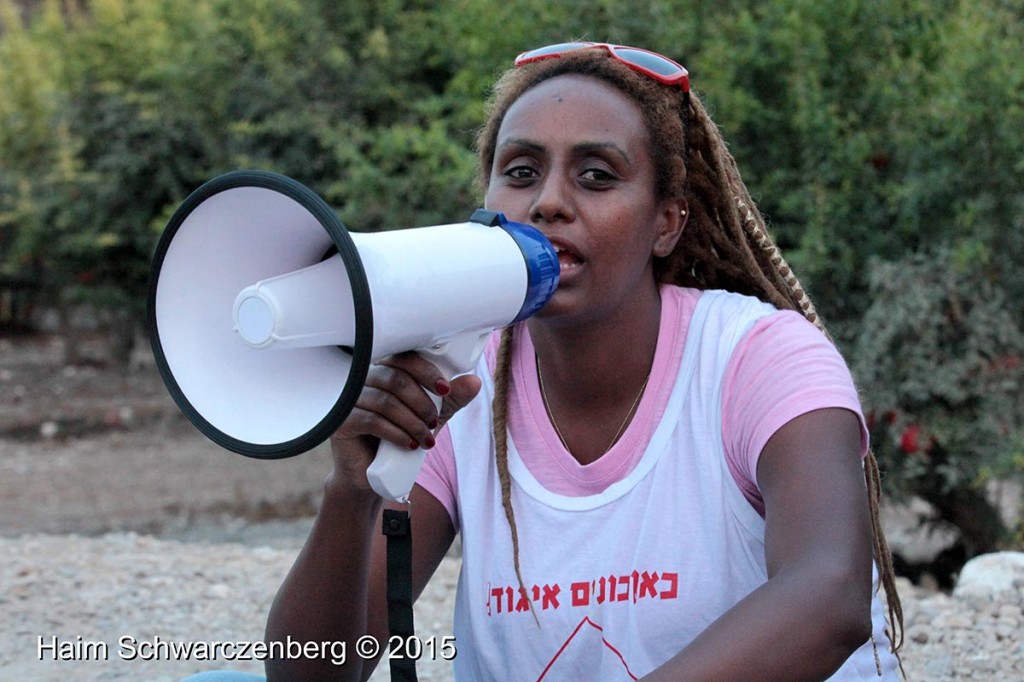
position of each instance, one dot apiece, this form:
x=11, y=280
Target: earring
x=682, y=211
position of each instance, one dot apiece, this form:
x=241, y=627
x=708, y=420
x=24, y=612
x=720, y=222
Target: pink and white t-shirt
x=629, y=558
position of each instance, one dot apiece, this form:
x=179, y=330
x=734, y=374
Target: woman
x=664, y=476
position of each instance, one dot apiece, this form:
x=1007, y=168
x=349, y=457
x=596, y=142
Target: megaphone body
x=266, y=313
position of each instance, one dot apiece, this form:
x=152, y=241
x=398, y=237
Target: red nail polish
x=433, y=423
x=442, y=387
x=413, y=445
x=429, y=443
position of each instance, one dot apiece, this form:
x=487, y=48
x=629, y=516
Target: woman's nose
x=553, y=202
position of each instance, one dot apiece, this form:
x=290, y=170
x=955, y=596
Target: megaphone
x=265, y=312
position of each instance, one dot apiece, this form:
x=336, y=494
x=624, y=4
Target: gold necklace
x=622, y=427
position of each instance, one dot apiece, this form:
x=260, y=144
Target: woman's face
x=572, y=159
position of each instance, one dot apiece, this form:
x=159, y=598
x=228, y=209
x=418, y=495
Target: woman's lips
x=568, y=258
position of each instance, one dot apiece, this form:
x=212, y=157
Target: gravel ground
x=103, y=589
x=117, y=520
x=129, y=591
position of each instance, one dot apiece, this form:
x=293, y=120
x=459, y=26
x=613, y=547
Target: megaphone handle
x=393, y=471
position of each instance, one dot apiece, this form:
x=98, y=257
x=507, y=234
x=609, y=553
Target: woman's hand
x=394, y=406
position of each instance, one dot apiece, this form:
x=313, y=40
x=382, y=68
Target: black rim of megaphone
x=360, y=351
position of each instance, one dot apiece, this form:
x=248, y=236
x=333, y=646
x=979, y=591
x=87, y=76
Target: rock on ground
x=992, y=575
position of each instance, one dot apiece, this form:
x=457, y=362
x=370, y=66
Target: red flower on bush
x=910, y=441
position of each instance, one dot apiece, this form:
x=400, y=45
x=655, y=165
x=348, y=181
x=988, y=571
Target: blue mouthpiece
x=539, y=255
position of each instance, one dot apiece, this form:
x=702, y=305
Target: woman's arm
x=815, y=609
x=335, y=591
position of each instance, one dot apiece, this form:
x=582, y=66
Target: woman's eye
x=521, y=173
x=597, y=175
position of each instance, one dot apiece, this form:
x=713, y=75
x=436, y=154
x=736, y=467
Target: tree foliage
x=870, y=132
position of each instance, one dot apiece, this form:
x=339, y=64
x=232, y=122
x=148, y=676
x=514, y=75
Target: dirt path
x=163, y=479
x=94, y=449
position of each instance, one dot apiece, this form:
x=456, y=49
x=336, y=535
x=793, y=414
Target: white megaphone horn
x=265, y=312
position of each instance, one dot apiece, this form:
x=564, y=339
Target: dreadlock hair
x=725, y=244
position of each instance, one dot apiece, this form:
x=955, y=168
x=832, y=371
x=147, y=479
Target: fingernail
x=442, y=387
x=433, y=423
x=429, y=442
x=413, y=445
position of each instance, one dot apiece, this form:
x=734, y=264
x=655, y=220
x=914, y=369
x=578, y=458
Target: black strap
x=398, y=529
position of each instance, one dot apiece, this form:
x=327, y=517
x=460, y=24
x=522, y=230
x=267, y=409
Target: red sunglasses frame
x=680, y=78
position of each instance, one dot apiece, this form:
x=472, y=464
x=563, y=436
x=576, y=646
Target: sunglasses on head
x=651, y=64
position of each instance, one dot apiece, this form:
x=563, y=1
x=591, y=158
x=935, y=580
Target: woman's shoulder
x=721, y=298
x=717, y=311
x=734, y=302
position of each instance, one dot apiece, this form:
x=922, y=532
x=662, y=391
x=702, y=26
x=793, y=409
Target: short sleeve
x=783, y=367
x=438, y=477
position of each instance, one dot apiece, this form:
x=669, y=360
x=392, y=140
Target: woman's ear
x=674, y=216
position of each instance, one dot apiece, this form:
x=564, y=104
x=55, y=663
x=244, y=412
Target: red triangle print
x=587, y=637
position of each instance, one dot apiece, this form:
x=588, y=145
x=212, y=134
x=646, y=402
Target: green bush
x=941, y=365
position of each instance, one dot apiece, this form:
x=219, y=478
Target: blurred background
x=883, y=139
